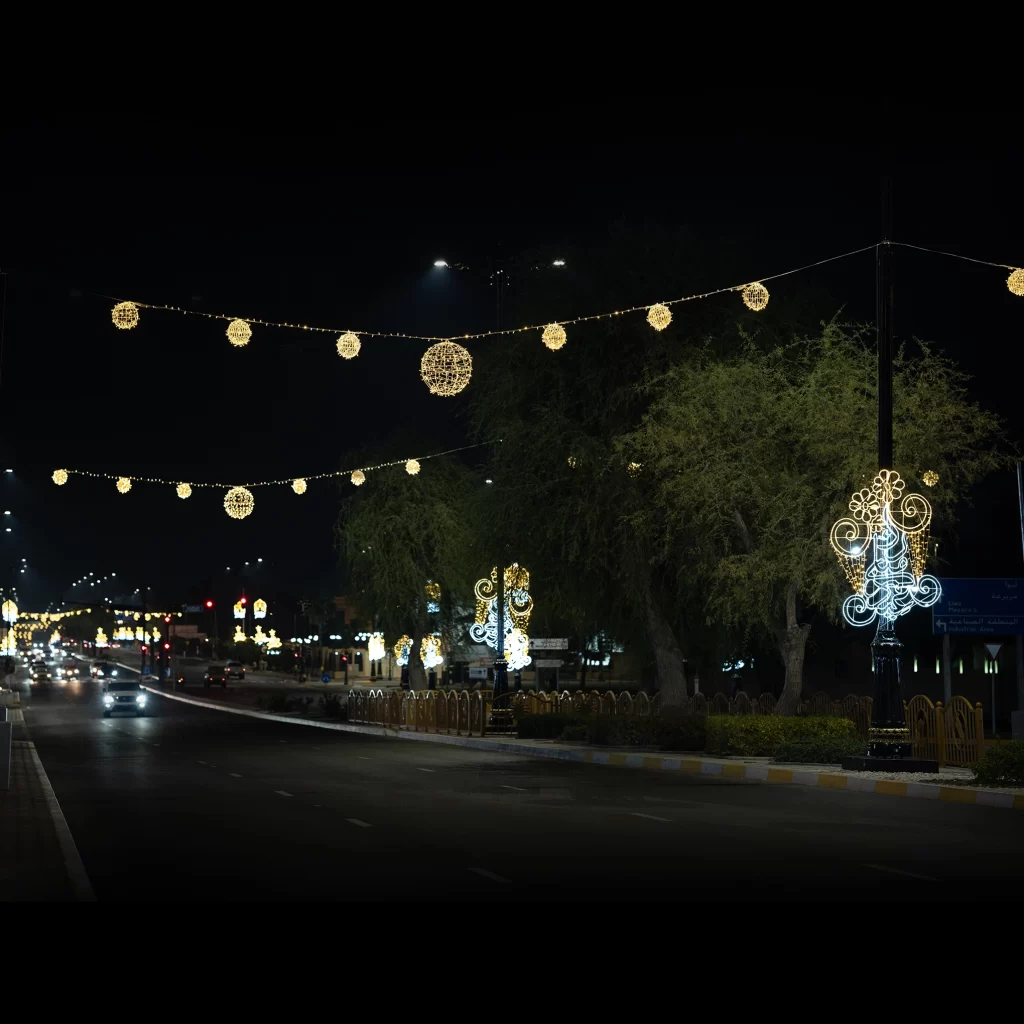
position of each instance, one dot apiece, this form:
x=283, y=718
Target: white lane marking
x=897, y=871
x=211, y=766
x=361, y=824
x=234, y=775
x=318, y=805
x=361, y=758
x=424, y=769
x=282, y=741
x=518, y=789
x=282, y=792
x=200, y=762
x=649, y=817
x=484, y=873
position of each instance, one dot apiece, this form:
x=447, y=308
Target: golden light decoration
x=184, y=490
x=124, y=485
x=299, y=485
x=553, y=336
x=930, y=478
x=1015, y=282
x=239, y=332
x=412, y=467
x=572, y=461
x=433, y=591
x=9, y=610
x=659, y=317
x=125, y=315
x=238, y=502
x=259, y=608
x=446, y=368
x=633, y=468
x=358, y=477
x=60, y=477
x=755, y=296
x=349, y=345
x=375, y=647
x=101, y=637
x=239, y=637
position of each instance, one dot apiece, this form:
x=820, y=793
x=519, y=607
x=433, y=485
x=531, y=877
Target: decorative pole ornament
x=259, y=608
x=239, y=332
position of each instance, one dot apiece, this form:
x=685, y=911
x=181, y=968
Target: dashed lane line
x=424, y=769
x=649, y=817
x=518, y=789
x=282, y=792
x=897, y=871
x=234, y=775
x=361, y=824
x=484, y=873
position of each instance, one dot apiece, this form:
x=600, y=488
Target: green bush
x=761, y=735
x=545, y=726
x=682, y=732
x=273, y=702
x=821, y=749
x=574, y=732
x=1001, y=766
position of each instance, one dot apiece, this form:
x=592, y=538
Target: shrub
x=574, y=732
x=545, y=726
x=332, y=707
x=682, y=732
x=1001, y=766
x=761, y=735
x=821, y=749
x=273, y=702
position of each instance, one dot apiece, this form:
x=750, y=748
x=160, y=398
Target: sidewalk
x=38, y=859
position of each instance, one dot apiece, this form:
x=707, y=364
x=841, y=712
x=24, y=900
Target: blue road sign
x=981, y=607
x=325, y=678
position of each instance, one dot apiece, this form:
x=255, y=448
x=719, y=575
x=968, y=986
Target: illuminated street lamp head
x=440, y=263
x=558, y=263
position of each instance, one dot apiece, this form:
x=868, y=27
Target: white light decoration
x=239, y=332
x=446, y=368
x=184, y=490
x=518, y=608
x=755, y=296
x=430, y=651
x=403, y=645
x=273, y=640
x=238, y=502
x=1015, y=282
x=659, y=317
x=375, y=647
x=349, y=345
x=412, y=467
x=553, y=336
x=930, y=478
x=9, y=610
x=358, y=477
x=124, y=484
x=60, y=477
x=239, y=610
x=259, y=608
x=299, y=486
x=893, y=529
x=125, y=315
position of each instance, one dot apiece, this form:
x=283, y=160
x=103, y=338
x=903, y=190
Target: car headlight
x=107, y=699
x=141, y=699
x=114, y=673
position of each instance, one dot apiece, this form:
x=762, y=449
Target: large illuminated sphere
x=1015, y=282
x=358, y=477
x=659, y=317
x=349, y=345
x=553, y=336
x=930, y=478
x=124, y=485
x=446, y=368
x=60, y=477
x=239, y=333
x=755, y=296
x=238, y=502
x=125, y=315
x=412, y=467
x=184, y=490
x=299, y=486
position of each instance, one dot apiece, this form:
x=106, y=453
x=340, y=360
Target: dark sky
x=338, y=225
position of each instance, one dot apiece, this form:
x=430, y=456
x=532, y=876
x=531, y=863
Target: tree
x=753, y=456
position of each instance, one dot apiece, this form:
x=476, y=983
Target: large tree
x=752, y=455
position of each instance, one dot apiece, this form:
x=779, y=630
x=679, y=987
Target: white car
x=130, y=697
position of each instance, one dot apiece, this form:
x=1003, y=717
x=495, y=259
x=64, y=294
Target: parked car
x=215, y=674
x=236, y=670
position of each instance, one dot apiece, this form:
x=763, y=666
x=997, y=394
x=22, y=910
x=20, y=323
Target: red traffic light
x=244, y=600
x=167, y=618
x=209, y=604
x=144, y=648
x=167, y=647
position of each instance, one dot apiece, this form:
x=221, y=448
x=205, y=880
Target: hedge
x=685, y=732
x=821, y=749
x=1002, y=765
x=762, y=735
x=546, y=726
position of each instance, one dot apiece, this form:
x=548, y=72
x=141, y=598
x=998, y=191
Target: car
x=102, y=670
x=124, y=696
x=68, y=671
x=236, y=670
x=40, y=672
x=215, y=674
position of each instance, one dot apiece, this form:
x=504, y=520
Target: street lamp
x=437, y=263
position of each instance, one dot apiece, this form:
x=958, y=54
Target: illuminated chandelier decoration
x=518, y=608
x=259, y=636
x=259, y=608
x=239, y=636
x=553, y=336
x=446, y=368
x=358, y=477
x=101, y=637
x=893, y=528
x=273, y=640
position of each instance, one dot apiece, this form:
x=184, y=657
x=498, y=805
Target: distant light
x=488, y=481
x=6, y=513
x=8, y=529
x=558, y=263
x=9, y=471
x=259, y=559
x=437, y=263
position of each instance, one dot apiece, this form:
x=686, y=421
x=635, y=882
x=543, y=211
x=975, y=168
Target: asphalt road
x=192, y=804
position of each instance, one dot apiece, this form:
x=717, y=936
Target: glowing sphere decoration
x=124, y=485
x=349, y=345
x=930, y=478
x=659, y=317
x=125, y=315
x=239, y=332
x=238, y=502
x=60, y=477
x=412, y=467
x=572, y=461
x=446, y=368
x=553, y=336
x=184, y=490
x=299, y=486
x=358, y=477
x=755, y=296
x=1015, y=282
x=633, y=468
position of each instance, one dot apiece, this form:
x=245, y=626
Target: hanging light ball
x=412, y=467
x=299, y=486
x=572, y=461
x=60, y=477
x=446, y=368
x=238, y=502
x=659, y=317
x=553, y=336
x=125, y=315
x=184, y=490
x=930, y=478
x=239, y=333
x=1015, y=282
x=755, y=296
x=633, y=468
x=124, y=485
x=358, y=477
x=349, y=345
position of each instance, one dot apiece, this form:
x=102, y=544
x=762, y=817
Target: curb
x=692, y=766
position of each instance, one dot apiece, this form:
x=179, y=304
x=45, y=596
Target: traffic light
x=167, y=647
x=167, y=620
x=209, y=604
x=145, y=649
x=243, y=600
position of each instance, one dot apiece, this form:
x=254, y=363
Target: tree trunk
x=792, y=644
x=668, y=657
x=417, y=674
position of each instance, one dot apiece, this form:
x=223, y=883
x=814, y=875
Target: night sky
x=338, y=225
